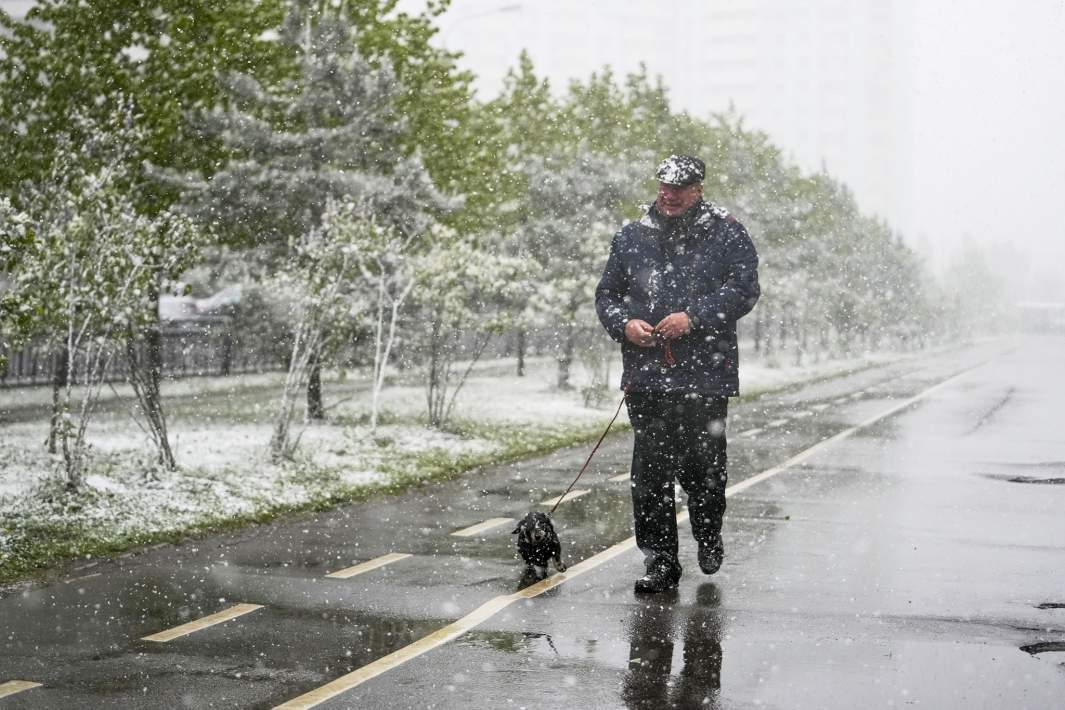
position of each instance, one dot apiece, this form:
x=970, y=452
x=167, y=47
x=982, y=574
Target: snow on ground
x=220, y=431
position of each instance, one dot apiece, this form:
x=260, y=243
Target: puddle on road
x=512, y=642
x=1051, y=605
x=1031, y=479
x=1024, y=479
x=1048, y=468
x=1044, y=647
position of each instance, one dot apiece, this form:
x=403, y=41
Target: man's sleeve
x=738, y=293
x=610, y=294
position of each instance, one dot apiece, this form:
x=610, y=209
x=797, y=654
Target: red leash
x=667, y=354
x=589, y=460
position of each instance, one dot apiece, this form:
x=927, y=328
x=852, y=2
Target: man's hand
x=639, y=332
x=673, y=326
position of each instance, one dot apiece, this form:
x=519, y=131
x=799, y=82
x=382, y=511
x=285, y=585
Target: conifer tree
x=331, y=133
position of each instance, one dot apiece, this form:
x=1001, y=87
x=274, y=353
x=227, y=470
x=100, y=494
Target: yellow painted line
x=481, y=527
x=825, y=443
x=453, y=630
x=750, y=432
x=569, y=496
x=493, y=606
x=368, y=565
x=620, y=477
x=185, y=629
x=16, y=686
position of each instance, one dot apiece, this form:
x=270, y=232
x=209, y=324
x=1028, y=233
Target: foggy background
x=943, y=116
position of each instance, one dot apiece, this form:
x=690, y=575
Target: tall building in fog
x=822, y=77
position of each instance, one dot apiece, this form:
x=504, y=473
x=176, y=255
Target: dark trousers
x=677, y=438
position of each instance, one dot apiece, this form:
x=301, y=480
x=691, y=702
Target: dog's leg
x=559, y=564
x=541, y=571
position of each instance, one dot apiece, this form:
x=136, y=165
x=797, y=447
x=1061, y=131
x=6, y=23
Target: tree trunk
x=521, y=351
x=153, y=338
x=305, y=344
x=783, y=324
x=145, y=374
x=768, y=334
x=565, y=359
x=145, y=383
x=315, y=411
x=434, y=393
x=227, y=350
x=59, y=382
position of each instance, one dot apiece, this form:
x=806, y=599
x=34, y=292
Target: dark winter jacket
x=703, y=263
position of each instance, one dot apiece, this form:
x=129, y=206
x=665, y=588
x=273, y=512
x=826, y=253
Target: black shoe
x=658, y=579
x=711, y=555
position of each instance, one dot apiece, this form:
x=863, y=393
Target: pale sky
x=981, y=85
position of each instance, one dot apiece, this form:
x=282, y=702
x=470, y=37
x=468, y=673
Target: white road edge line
x=362, y=567
x=569, y=496
x=481, y=527
x=213, y=620
x=16, y=686
x=493, y=606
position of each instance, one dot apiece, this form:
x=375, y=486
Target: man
x=673, y=288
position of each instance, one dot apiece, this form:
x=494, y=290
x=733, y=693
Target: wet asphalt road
x=908, y=564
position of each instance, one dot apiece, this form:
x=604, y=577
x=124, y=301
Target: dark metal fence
x=209, y=346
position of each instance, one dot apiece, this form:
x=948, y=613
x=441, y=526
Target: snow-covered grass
x=220, y=428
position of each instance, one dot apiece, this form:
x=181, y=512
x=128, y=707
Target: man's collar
x=656, y=220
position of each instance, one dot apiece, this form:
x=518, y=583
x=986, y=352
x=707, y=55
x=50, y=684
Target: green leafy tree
x=444, y=123
x=83, y=264
x=317, y=286
x=91, y=56
x=576, y=204
x=334, y=132
x=466, y=296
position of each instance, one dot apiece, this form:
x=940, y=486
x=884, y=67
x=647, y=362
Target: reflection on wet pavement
x=647, y=682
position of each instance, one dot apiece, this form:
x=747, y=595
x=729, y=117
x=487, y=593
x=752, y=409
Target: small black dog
x=538, y=543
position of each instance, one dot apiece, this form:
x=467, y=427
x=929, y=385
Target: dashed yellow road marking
x=568, y=497
x=493, y=606
x=481, y=527
x=368, y=565
x=620, y=477
x=16, y=686
x=207, y=621
x=453, y=630
x=750, y=432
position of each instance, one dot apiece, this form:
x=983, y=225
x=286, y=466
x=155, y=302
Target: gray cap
x=681, y=170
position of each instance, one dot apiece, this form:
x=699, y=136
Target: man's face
x=674, y=200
